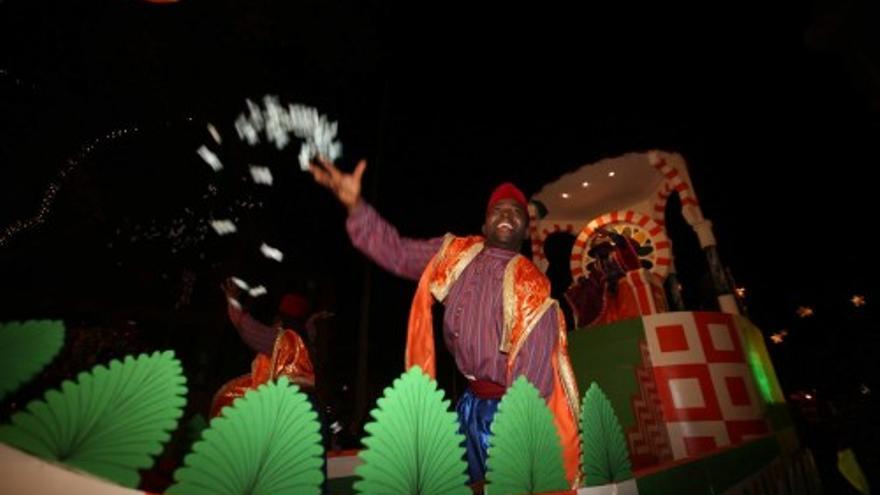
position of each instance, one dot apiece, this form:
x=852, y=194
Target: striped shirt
x=473, y=317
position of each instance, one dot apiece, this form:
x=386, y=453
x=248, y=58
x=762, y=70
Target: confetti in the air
x=272, y=253
x=277, y=122
x=210, y=158
x=246, y=131
x=317, y=133
x=240, y=283
x=261, y=175
x=257, y=291
x=256, y=116
x=306, y=152
x=223, y=227
x=214, y=134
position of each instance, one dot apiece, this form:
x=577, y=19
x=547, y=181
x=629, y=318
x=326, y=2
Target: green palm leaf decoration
x=525, y=454
x=605, y=458
x=25, y=348
x=414, y=446
x=111, y=422
x=268, y=441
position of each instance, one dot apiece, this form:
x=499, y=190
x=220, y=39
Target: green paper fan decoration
x=25, y=349
x=414, y=446
x=266, y=442
x=110, y=423
x=605, y=458
x=525, y=453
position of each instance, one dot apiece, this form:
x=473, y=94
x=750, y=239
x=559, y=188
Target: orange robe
x=290, y=358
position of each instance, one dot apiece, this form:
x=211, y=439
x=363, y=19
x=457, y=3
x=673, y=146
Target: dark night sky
x=775, y=110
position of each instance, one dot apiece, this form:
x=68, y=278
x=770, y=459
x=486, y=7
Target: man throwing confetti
x=499, y=322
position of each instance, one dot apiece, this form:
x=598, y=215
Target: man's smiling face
x=505, y=225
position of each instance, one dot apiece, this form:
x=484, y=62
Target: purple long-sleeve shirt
x=473, y=320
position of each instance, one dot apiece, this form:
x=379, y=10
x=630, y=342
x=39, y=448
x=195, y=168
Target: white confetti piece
x=272, y=253
x=223, y=227
x=306, y=152
x=240, y=283
x=246, y=130
x=303, y=119
x=256, y=116
x=214, y=134
x=210, y=158
x=277, y=121
x=261, y=175
x=257, y=291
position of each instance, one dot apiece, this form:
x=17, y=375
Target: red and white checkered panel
x=687, y=393
x=673, y=339
x=720, y=337
x=735, y=391
x=692, y=438
x=702, y=379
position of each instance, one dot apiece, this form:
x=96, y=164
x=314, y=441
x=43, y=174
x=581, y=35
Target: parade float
x=695, y=391
x=673, y=401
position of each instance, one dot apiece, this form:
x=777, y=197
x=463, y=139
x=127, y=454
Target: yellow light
x=805, y=311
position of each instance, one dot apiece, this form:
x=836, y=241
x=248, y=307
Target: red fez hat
x=507, y=191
